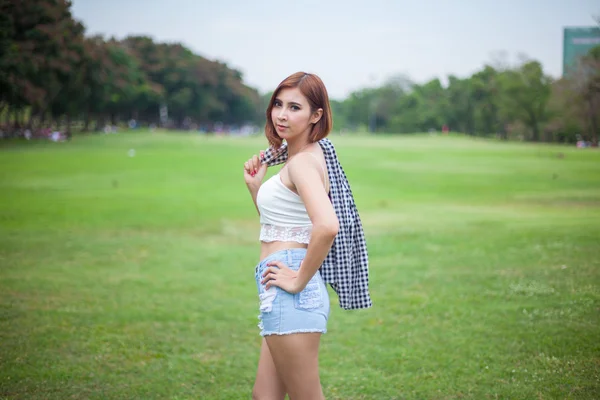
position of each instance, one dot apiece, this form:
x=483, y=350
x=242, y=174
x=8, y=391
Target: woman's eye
x=277, y=104
x=295, y=108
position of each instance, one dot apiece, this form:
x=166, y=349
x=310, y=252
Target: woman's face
x=291, y=114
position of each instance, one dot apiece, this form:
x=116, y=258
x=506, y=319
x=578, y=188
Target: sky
x=350, y=44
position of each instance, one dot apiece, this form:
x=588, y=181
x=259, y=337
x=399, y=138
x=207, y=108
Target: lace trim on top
x=273, y=233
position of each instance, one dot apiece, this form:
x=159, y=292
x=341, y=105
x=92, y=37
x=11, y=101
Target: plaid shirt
x=346, y=267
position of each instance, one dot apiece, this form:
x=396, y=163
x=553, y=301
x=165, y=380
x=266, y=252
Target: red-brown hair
x=313, y=88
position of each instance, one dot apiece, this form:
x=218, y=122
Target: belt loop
x=289, y=258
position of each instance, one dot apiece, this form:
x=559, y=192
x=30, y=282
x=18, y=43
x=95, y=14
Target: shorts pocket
x=311, y=297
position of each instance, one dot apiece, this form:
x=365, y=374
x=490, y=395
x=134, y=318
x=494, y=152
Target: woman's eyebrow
x=289, y=102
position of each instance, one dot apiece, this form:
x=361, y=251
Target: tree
x=487, y=96
x=575, y=101
x=526, y=91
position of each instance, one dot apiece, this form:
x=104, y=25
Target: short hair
x=313, y=88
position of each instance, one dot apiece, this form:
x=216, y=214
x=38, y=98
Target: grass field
x=132, y=277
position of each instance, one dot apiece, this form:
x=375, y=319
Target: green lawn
x=133, y=277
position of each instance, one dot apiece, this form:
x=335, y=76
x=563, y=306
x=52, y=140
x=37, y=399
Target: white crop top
x=283, y=216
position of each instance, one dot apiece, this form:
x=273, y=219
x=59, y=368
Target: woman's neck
x=296, y=146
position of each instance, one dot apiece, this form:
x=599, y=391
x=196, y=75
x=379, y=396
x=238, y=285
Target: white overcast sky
x=350, y=44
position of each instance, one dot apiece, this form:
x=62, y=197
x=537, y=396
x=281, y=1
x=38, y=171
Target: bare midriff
x=267, y=248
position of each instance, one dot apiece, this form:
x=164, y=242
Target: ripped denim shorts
x=283, y=313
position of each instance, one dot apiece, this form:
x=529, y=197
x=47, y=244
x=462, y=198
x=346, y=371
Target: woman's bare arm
x=306, y=175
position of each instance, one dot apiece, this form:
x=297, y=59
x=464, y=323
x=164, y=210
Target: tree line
x=52, y=74
x=508, y=102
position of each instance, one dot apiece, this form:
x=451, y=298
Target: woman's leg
x=268, y=385
x=296, y=358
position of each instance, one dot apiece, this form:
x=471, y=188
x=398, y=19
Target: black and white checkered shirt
x=346, y=267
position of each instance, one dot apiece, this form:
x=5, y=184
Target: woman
x=310, y=234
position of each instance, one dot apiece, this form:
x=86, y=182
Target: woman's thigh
x=296, y=358
x=268, y=384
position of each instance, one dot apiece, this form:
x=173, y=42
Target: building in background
x=577, y=42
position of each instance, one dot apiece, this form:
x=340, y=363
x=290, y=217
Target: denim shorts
x=283, y=313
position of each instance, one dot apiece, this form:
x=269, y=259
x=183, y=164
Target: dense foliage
x=519, y=102
x=50, y=69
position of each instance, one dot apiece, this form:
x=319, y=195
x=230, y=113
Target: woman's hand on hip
x=254, y=171
x=280, y=275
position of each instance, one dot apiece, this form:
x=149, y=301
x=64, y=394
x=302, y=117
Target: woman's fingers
x=270, y=273
x=269, y=278
x=278, y=264
x=255, y=163
x=249, y=167
x=273, y=270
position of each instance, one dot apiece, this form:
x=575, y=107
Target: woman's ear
x=316, y=117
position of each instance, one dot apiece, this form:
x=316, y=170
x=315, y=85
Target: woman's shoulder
x=313, y=157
